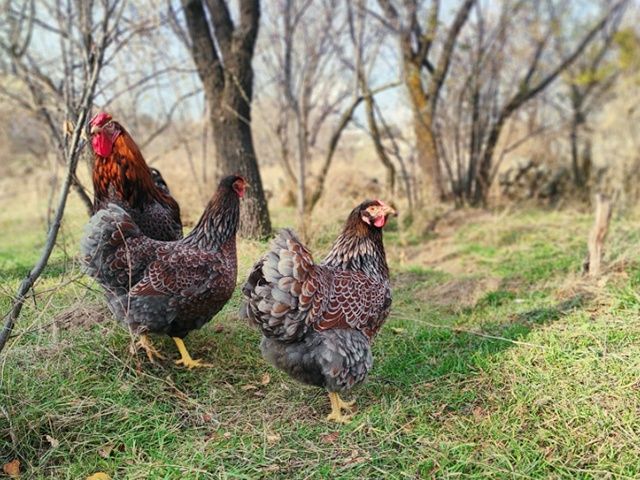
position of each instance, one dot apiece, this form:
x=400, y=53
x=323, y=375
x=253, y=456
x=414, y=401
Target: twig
x=70, y=150
x=12, y=434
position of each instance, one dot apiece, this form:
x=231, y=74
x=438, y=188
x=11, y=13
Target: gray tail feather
x=273, y=290
x=105, y=233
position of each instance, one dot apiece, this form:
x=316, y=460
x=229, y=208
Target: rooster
x=318, y=320
x=121, y=176
x=167, y=287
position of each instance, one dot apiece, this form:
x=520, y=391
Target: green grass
x=535, y=375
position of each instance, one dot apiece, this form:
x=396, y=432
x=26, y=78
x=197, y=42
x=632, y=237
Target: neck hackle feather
x=124, y=176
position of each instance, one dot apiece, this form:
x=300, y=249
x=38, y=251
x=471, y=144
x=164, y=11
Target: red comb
x=100, y=119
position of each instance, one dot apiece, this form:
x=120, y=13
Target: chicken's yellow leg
x=144, y=342
x=186, y=359
x=337, y=404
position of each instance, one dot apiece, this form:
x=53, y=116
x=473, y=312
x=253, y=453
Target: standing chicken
x=167, y=287
x=318, y=321
x=121, y=176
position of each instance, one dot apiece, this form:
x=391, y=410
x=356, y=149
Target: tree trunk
x=426, y=148
x=374, y=132
x=222, y=53
x=235, y=154
x=578, y=178
x=483, y=177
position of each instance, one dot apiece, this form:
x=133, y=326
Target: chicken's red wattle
x=103, y=143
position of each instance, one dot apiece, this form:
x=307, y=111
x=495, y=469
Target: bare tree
x=310, y=86
x=420, y=59
x=311, y=69
x=492, y=87
x=364, y=34
x=81, y=35
x=222, y=51
x=588, y=81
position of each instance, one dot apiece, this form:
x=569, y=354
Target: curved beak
x=389, y=210
x=95, y=129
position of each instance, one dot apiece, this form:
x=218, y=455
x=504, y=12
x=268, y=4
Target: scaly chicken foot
x=186, y=359
x=337, y=405
x=145, y=343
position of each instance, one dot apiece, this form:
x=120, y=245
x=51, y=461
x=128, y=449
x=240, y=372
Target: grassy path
x=497, y=362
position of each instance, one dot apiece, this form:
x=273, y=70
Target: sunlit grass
x=515, y=368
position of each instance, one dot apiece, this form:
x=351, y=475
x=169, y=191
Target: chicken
x=121, y=176
x=318, y=321
x=165, y=287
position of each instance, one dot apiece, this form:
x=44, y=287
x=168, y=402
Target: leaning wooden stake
x=598, y=234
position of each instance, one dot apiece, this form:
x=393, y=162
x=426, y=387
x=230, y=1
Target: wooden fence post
x=598, y=234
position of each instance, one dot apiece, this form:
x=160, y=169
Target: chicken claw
x=338, y=417
x=186, y=359
x=144, y=342
x=337, y=405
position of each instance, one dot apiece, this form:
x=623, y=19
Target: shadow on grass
x=405, y=361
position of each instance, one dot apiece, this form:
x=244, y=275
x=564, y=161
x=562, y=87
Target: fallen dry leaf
x=397, y=330
x=105, y=450
x=273, y=438
x=349, y=460
x=437, y=414
x=218, y=328
x=99, y=476
x=248, y=387
x=330, y=437
x=12, y=468
x=266, y=378
x=407, y=427
x=478, y=412
x=55, y=443
x=355, y=458
x=227, y=435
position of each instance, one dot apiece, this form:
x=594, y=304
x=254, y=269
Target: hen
x=121, y=176
x=159, y=180
x=318, y=321
x=167, y=287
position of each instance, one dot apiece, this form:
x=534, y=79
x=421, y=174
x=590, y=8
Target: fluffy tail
x=281, y=288
x=103, y=248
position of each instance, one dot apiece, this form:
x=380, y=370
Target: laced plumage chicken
x=318, y=320
x=165, y=287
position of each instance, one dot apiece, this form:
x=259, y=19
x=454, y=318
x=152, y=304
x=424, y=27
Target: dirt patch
x=408, y=279
x=458, y=293
x=82, y=316
x=454, y=220
x=442, y=252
